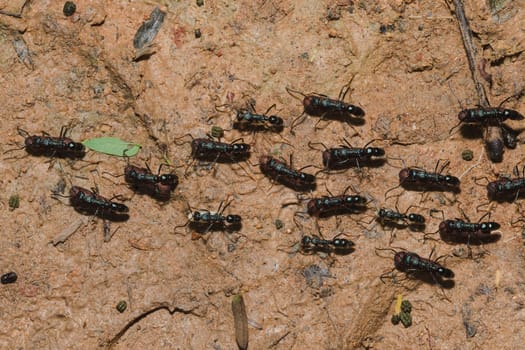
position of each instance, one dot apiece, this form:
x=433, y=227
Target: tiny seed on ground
x=122, y=306
x=9, y=277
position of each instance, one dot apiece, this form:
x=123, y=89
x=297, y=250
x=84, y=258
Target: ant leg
x=321, y=118
x=269, y=109
x=310, y=143
x=293, y=125
x=183, y=136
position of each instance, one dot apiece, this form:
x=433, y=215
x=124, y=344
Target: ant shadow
x=113, y=217
x=471, y=131
x=347, y=209
x=328, y=250
x=203, y=228
x=258, y=128
x=410, y=186
x=476, y=241
x=369, y=163
x=432, y=279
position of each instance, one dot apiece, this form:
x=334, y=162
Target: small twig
x=279, y=340
x=470, y=49
x=68, y=231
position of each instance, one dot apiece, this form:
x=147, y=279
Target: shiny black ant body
x=204, y=220
x=346, y=156
x=315, y=243
x=421, y=180
x=459, y=231
x=326, y=206
x=280, y=171
x=488, y=115
x=46, y=145
x=158, y=186
x=250, y=120
x=507, y=189
x=91, y=202
x=322, y=106
x=415, y=266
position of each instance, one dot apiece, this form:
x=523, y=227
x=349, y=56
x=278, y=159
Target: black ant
x=322, y=106
x=347, y=156
x=398, y=220
x=204, y=220
x=142, y=180
x=421, y=180
x=336, y=245
x=250, y=120
x=207, y=149
x=280, y=171
x=90, y=202
x=421, y=268
x=459, y=231
x=334, y=205
x=471, y=233
x=46, y=145
x=505, y=189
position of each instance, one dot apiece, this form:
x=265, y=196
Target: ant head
x=275, y=120
x=374, y=151
x=489, y=226
x=452, y=180
x=342, y=243
x=307, y=178
x=168, y=179
x=443, y=271
x=196, y=216
x=75, y=146
x=119, y=208
x=233, y=219
x=241, y=147
x=416, y=218
x=357, y=111
x=355, y=199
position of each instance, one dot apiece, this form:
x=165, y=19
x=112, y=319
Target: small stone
x=198, y=33
x=200, y=3
x=69, y=8
x=279, y=224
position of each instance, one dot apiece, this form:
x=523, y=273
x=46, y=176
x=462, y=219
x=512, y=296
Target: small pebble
x=9, y=277
x=198, y=33
x=200, y=2
x=467, y=155
x=69, y=8
x=279, y=224
x=122, y=306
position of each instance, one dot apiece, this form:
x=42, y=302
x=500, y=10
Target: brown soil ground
x=408, y=70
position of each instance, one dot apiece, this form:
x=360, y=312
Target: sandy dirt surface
x=408, y=71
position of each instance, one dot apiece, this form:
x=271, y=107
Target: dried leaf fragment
x=240, y=320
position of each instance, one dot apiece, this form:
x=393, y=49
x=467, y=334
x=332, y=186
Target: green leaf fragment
x=113, y=146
